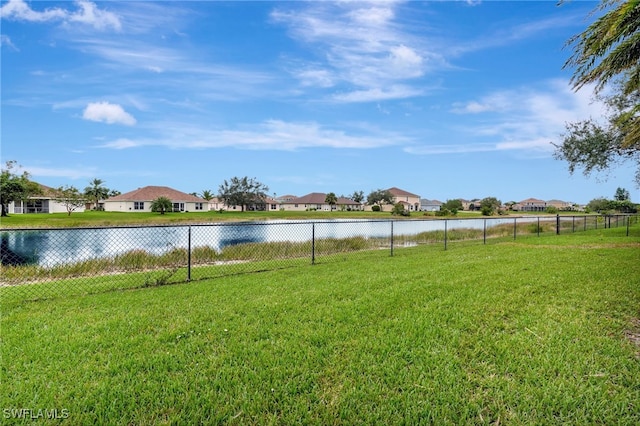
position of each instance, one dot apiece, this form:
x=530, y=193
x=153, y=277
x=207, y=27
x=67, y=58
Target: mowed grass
x=533, y=331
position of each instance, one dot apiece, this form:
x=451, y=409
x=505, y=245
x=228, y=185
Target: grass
x=98, y=218
x=532, y=331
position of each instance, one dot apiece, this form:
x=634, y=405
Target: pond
x=51, y=247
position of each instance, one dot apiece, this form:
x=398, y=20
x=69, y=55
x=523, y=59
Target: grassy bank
x=97, y=218
x=534, y=331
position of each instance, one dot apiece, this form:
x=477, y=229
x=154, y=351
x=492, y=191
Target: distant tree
x=70, y=197
x=622, y=195
x=207, y=195
x=161, y=205
x=379, y=197
x=489, y=206
x=358, y=196
x=114, y=193
x=453, y=206
x=600, y=204
x=607, y=52
x=96, y=192
x=399, y=210
x=15, y=186
x=624, y=206
x=331, y=199
x=242, y=192
x=551, y=210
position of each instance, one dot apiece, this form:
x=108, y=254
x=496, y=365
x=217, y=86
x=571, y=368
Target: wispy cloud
x=268, y=135
x=357, y=44
x=109, y=113
x=523, y=119
x=86, y=13
x=6, y=41
x=73, y=173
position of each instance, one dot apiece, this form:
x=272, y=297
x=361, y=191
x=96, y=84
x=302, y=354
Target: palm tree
x=207, y=195
x=161, y=205
x=96, y=192
x=610, y=48
x=331, y=199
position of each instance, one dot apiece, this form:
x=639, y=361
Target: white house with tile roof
x=140, y=200
x=44, y=202
x=316, y=201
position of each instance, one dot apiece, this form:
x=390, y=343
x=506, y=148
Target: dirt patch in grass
x=633, y=334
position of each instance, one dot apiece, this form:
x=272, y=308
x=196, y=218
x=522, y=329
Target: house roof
x=45, y=192
x=150, y=193
x=318, y=198
x=532, y=200
x=397, y=192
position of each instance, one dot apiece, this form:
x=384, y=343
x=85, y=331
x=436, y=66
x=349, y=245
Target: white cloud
x=6, y=41
x=360, y=45
x=87, y=13
x=68, y=173
x=106, y=112
x=378, y=94
x=525, y=119
x=268, y=135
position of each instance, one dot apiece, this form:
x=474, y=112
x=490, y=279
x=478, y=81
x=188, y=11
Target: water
x=52, y=247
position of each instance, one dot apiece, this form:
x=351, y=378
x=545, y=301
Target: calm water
x=59, y=246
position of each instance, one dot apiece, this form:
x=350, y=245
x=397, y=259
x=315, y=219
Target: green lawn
x=97, y=218
x=533, y=331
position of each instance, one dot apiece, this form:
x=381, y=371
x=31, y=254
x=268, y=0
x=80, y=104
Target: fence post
x=573, y=224
x=538, y=228
x=628, y=220
x=557, y=224
x=585, y=223
x=445, y=233
x=392, y=238
x=313, y=243
x=515, y=227
x=484, y=232
x=189, y=254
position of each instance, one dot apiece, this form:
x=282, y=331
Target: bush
x=398, y=209
x=375, y=208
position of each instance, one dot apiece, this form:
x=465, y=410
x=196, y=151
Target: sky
x=444, y=99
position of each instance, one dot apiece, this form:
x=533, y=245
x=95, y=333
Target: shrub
x=375, y=208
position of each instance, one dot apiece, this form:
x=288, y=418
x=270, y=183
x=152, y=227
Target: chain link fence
x=48, y=263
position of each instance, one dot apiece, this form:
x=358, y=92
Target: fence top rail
x=311, y=221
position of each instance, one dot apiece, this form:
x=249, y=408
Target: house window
x=199, y=206
x=138, y=205
x=178, y=207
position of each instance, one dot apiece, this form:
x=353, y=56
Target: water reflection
x=60, y=246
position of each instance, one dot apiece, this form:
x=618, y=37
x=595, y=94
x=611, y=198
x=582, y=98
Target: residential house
x=430, y=205
x=561, y=205
x=411, y=202
x=530, y=205
x=140, y=200
x=45, y=202
x=316, y=201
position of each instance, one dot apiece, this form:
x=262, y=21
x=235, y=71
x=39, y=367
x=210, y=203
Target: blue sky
x=442, y=99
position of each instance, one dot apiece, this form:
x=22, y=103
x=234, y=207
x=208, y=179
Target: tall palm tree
x=207, y=195
x=96, y=192
x=331, y=199
x=610, y=48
